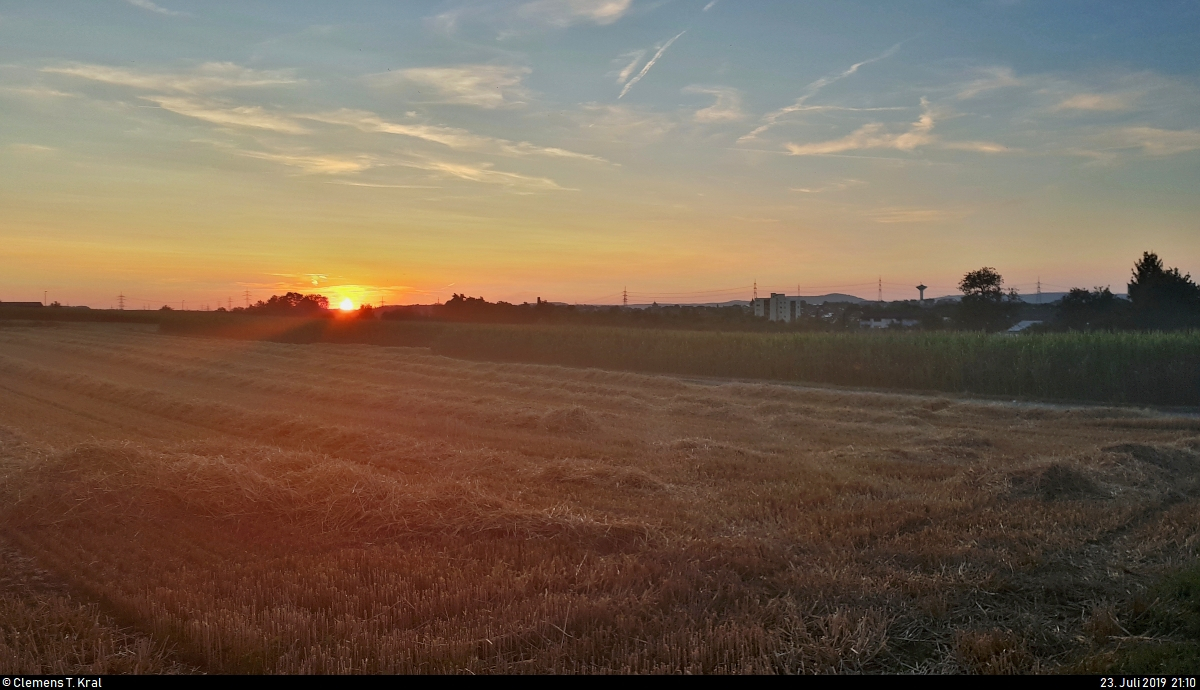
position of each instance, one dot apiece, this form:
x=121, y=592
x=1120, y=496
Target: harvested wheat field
x=187, y=504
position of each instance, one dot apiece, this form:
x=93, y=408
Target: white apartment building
x=778, y=307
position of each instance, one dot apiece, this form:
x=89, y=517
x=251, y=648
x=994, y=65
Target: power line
x=696, y=292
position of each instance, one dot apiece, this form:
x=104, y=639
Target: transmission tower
x=880, y=294
x=247, y=299
x=121, y=302
x=1039, y=290
x=625, y=296
x=756, y=289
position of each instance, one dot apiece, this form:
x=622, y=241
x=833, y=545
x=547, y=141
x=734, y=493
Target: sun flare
x=346, y=305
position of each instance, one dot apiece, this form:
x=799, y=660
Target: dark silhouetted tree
x=293, y=303
x=1161, y=297
x=1089, y=310
x=985, y=305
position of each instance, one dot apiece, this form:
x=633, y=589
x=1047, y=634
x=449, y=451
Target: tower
x=625, y=296
x=756, y=289
x=121, y=302
x=922, y=288
x=1039, y=290
x=880, y=293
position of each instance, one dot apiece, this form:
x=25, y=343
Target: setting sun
x=346, y=305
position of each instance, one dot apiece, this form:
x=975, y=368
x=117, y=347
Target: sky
x=200, y=154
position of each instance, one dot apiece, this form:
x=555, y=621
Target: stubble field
x=185, y=504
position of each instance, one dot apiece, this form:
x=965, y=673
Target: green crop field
x=1134, y=368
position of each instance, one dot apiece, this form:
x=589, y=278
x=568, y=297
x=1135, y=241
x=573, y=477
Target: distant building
x=1022, y=326
x=5, y=305
x=778, y=307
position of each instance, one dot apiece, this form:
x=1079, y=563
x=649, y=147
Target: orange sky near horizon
x=569, y=150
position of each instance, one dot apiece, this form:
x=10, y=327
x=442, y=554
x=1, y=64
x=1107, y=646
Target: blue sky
x=567, y=149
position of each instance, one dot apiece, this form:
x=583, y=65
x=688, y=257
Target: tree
x=984, y=285
x=1161, y=297
x=1097, y=309
x=293, y=303
x=985, y=305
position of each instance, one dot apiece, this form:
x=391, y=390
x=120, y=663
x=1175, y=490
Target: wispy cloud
x=637, y=56
x=659, y=54
x=147, y=5
x=37, y=92
x=349, y=183
x=210, y=76
x=770, y=119
x=221, y=114
x=484, y=86
x=451, y=137
x=727, y=108
x=1101, y=102
x=36, y=149
x=483, y=173
x=567, y=12
x=912, y=215
x=622, y=124
x=710, y=5
x=976, y=146
x=875, y=136
x=1157, y=142
x=316, y=164
x=993, y=78
x=835, y=187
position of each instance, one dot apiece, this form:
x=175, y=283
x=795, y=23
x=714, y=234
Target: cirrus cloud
x=726, y=108
x=564, y=13
x=210, y=76
x=484, y=86
x=1101, y=102
x=875, y=136
x=221, y=114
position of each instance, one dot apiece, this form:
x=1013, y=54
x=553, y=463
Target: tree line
x=1158, y=298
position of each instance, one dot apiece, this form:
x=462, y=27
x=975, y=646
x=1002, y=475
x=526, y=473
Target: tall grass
x=1143, y=368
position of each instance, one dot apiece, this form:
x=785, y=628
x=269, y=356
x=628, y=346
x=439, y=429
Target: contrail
x=649, y=65
x=812, y=90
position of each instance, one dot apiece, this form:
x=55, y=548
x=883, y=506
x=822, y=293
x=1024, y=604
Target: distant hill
x=1046, y=298
x=811, y=299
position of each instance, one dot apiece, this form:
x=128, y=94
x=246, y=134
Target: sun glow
x=346, y=305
